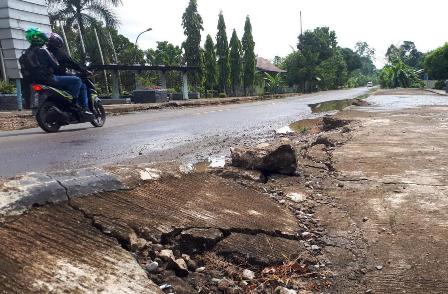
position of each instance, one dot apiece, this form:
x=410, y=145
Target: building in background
x=16, y=16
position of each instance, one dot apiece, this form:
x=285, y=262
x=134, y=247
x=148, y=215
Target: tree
x=436, y=63
x=332, y=71
x=84, y=13
x=210, y=64
x=321, y=40
x=399, y=74
x=165, y=54
x=249, y=59
x=352, y=59
x=222, y=51
x=236, y=66
x=407, y=52
x=192, y=24
x=363, y=49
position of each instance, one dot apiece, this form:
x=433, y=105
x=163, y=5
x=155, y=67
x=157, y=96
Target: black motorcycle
x=54, y=108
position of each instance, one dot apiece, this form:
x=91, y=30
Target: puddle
x=336, y=105
x=203, y=166
x=302, y=127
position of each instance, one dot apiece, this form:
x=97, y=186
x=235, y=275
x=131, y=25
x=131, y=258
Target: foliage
x=222, y=95
x=165, y=54
x=249, y=59
x=436, y=63
x=399, y=74
x=84, y=13
x=332, y=72
x=210, y=64
x=440, y=85
x=192, y=24
x=352, y=59
x=322, y=41
x=364, y=51
x=7, y=88
x=236, y=66
x=273, y=82
x=222, y=52
x=406, y=52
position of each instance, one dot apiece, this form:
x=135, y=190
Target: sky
x=276, y=24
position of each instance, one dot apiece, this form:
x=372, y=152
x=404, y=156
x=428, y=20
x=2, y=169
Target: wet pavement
x=190, y=134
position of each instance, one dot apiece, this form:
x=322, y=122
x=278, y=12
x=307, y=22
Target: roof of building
x=265, y=65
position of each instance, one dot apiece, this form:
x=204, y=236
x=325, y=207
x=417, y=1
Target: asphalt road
x=188, y=134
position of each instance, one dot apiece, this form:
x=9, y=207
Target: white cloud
x=276, y=23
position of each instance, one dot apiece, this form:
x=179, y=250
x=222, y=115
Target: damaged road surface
x=96, y=243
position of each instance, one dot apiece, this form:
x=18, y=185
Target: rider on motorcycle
x=56, y=46
x=40, y=66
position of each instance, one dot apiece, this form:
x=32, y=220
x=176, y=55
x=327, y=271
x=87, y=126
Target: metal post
x=162, y=75
x=115, y=85
x=102, y=57
x=19, y=94
x=185, y=85
x=65, y=39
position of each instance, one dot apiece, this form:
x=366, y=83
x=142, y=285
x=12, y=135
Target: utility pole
x=301, y=28
x=102, y=58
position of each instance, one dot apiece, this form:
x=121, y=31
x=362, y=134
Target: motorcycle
x=54, y=108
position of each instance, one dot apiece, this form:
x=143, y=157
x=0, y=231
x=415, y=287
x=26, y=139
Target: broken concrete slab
x=260, y=249
x=276, y=158
x=162, y=209
x=197, y=240
x=21, y=193
x=55, y=249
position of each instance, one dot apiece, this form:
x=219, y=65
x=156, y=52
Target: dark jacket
x=65, y=61
x=48, y=65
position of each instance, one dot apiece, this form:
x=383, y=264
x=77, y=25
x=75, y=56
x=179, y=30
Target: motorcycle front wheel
x=100, y=115
x=44, y=120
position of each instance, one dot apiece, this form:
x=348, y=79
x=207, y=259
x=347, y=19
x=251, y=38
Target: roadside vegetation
x=228, y=63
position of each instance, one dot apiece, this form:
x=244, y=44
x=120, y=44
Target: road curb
x=436, y=92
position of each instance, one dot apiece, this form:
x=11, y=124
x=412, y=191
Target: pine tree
x=248, y=57
x=222, y=51
x=235, y=62
x=192, y=24
x=210, y=64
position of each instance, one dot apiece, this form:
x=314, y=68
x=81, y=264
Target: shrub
x=440, y=85
x=7, y=88
x=222, y=95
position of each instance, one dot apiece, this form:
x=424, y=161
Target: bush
x=7, y=88
x=440, y=85
x=222, y=95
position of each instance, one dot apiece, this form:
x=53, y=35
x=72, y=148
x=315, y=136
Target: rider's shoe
x=86, y=111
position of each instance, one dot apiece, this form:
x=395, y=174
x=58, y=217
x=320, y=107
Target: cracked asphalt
x=188, y=134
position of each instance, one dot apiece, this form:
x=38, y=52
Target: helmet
x=55, y=41
x=36, y=37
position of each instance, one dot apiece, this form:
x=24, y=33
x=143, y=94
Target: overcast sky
x=276, y=24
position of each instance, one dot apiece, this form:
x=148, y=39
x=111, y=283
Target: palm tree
x=84, y=13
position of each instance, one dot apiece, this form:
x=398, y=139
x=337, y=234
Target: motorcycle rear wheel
x=100, y=115
x=42, y=118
